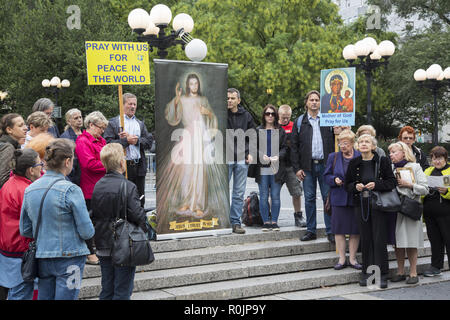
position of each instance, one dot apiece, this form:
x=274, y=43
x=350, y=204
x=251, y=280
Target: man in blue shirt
x=135, y=139
x=310, y=146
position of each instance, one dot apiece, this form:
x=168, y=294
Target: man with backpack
x=310, y=146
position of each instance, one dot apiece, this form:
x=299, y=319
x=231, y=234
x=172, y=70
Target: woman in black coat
x=360, y=181
x=270, y=170
x=117, y=282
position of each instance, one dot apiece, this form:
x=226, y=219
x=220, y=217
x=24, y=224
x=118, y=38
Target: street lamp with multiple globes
x=151, y=28
x=371, y=55
x=55, y=84
x=433, y=78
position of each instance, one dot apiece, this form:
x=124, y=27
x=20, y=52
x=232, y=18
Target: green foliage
x=37, y=45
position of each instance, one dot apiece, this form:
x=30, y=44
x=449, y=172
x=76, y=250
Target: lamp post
x=4, y=108
x=371, y=55
x=54, y=85
x=433, y=78
x=152, y=27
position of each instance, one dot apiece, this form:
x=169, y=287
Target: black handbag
x=131, y=245
x=387, y=201
x=411, y=208
x=29, y=266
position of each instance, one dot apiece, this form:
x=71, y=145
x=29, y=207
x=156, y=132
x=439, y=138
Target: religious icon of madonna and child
x=192, y=185
x=339, y=95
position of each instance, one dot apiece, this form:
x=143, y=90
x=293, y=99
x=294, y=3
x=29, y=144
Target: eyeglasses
x=101, y=128
x=40, y=164
x=344, y=144
x=270, y=114
x=407, y=138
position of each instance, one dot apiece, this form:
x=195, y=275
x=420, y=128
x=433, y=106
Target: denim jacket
x=65, y=222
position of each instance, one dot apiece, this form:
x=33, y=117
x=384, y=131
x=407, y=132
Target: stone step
x=265, y=285
x=168, y=278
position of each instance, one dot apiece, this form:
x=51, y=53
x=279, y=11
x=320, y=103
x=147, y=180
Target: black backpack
x=250, y=213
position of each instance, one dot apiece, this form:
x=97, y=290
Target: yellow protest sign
x=115, y=63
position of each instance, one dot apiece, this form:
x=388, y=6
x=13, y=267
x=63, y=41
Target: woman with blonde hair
x=408, y=232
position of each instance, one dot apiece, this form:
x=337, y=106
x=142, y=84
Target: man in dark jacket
x=310, y=146
x=135, y=139
x=238, y=118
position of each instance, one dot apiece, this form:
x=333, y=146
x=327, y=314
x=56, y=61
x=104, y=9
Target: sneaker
x=238, y=229
x=267, y=227
x=432, y=272
x=275, y=227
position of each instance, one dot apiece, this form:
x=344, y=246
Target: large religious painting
x=337, y=97
x=191, y=174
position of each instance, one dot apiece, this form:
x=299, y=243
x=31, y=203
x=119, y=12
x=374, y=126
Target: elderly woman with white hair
x=88, y=147
x=408, y=232
x=365, y=174
x=73, y=129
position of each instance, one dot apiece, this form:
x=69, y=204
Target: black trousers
x=90, y=242
x=438, y=231
x=373, y=239
x=139, y=181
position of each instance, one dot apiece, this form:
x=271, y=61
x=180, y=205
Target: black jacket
x=282, y=152
x=241, y=119
x=385, y=180
x=301, y=144
x=105, y=206
x=145, y=141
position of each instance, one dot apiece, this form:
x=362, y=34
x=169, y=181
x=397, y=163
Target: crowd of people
x=43, y=171
x=351, y=171
x=75, y=179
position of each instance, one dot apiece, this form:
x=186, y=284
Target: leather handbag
x=29, y=266
x=131, y=245
x=411, y=208
x=387, y=201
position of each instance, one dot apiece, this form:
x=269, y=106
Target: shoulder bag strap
x=122, y=198
x=40, y=209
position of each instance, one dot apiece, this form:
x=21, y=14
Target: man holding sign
x=135, y=139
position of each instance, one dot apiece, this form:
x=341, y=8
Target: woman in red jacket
x=88, y=147
x=27, y=169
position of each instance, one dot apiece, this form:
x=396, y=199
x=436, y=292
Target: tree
x=37, y=44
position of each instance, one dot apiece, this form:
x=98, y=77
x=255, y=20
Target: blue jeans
x=239, y=172
x=268, y=185
x=60, y=278
x=23, y=291
x=117, y=282
x=309, y=188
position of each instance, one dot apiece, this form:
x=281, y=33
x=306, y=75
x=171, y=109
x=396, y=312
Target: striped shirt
x=133, y=128
x=317, y=143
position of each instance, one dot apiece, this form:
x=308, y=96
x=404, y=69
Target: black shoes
x=432, y=272
x=398, y=278
x=299, y=220
x=330, y=238
x=308, y=236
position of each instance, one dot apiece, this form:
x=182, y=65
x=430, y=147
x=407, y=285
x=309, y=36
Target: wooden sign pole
x=122, y=121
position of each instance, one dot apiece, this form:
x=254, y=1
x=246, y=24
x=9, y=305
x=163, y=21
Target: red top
x=12, y=244
x=88, y=152
x=288, y=128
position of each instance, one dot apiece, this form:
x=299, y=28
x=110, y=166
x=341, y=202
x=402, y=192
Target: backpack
x=299, y=123
x=251, y=215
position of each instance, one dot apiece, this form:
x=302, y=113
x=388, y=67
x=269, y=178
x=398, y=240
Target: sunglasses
x=407, y=138
x=40, y=164
x=270, y=114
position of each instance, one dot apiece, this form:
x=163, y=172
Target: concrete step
x=265, y=285
x=239, y=269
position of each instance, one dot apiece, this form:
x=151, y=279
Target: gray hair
x=233, y=90
x=42, y=104
x=127, y=96
x=371, y=138
x=95, y=117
